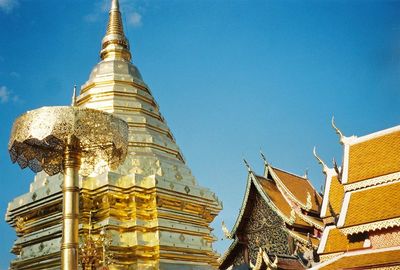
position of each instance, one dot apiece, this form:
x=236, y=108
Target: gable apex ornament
x=320, y=161
x=247, y=165
x=264, y=158
x=342, y=139
x=305, y=175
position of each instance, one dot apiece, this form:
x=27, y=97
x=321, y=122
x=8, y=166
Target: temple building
x=155, y=213
x=360, y=207
x=278, y=226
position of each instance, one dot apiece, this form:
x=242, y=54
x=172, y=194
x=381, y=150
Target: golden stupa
x=151, y=207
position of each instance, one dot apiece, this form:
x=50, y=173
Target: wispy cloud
x=7, y=95
x=132, y=11
x=4, y=94
x=8, y=6
x=134, y=19
x=15, y=75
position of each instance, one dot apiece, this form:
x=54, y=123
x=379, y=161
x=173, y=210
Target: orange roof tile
x=375, y=157
x=272, y=191
x=336, y=195
x=338, y=242
x=366, y=260
x=373, y=204
x=299, y=187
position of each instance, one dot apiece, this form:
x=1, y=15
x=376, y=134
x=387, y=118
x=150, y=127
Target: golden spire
x=115, y=45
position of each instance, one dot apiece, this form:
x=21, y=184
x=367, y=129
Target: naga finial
x=267, y=261
x=247, y=165
x=341, y=136
x=259, y=260
x=263, y=157
x=320, y=161
x=226, y=232
x=306, y=174
x=337, y=170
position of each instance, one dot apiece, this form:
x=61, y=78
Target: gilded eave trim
x=231, y=247
x=270, y=203
x=325, y=200
x=244, y=204
x=309, y=220
x=373, y=181
x=372, y=226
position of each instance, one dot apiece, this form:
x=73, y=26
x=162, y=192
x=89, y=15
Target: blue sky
x=231, y=77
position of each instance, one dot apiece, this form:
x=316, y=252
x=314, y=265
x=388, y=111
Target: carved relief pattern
x=238, y=260
x=265, y=229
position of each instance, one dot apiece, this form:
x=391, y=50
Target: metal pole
x=70, y=241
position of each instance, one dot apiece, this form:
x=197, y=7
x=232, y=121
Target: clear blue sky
x=231, y=77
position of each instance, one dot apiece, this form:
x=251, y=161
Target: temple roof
x=285, y=195
x=373, y=155
x=299, y=188
x=335, y=241
x=366, y=199
x=334, y=195
x=289, y=196
x=364, y=260
x=279, y=202
x=371, y=205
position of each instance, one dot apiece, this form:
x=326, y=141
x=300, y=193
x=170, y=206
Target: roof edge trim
x=325, y=200
x=372, y=226
x=373, y=182
x=374, y=135
x=270, y=203
x=244, y=204
x=280, y=183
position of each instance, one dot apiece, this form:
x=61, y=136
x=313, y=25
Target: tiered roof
x=362, y=199
x=291, y=197
x=298, y=189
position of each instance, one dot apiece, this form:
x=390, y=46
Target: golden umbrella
x=72, y=141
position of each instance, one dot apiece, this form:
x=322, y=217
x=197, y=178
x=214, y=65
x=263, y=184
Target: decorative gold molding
x=325, y=257
x=383, y=224
x=373, y=181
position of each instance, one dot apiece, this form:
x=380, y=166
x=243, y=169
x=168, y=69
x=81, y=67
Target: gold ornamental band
x=69, y=245
x=70, y=189
x=72, y=162
x=70, y=216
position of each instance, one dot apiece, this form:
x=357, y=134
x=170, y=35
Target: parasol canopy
x=39, y=137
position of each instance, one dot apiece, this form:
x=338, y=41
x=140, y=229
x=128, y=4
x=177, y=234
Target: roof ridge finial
x=305, y=176
x=341, y=136
x=247, y=165
x=264, y=158
x=115, y=45
x=73, y=103
x=320, y=161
